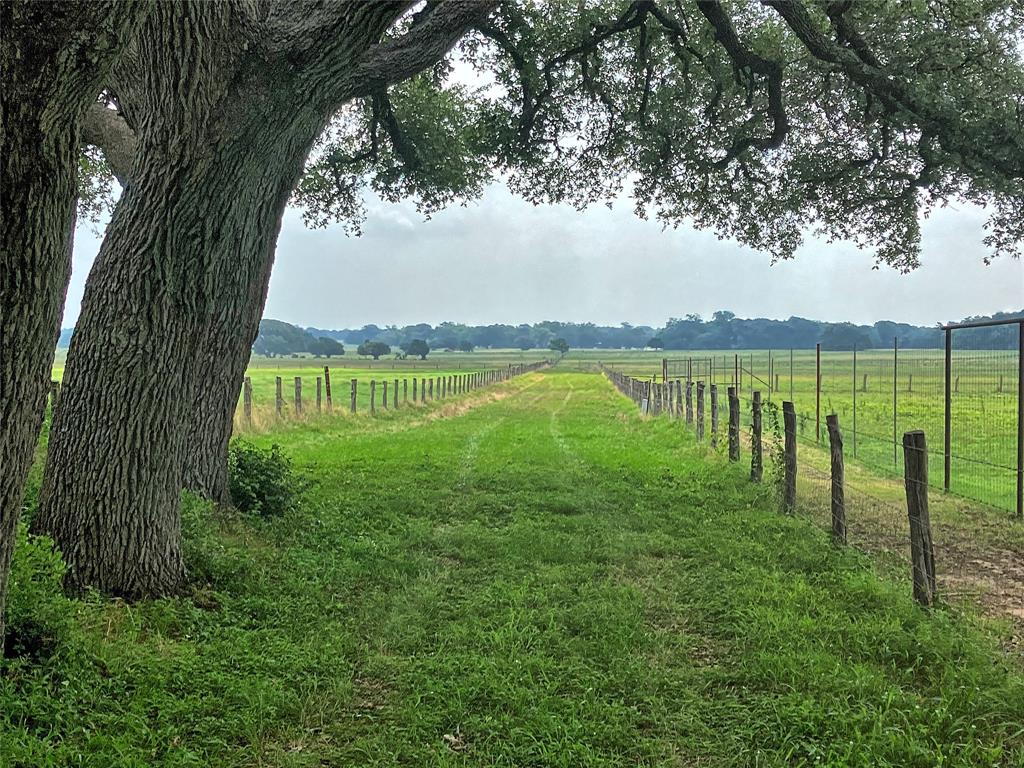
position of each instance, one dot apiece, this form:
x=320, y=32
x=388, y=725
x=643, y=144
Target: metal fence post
x=895, y=365
x=1020, y=420
x=947, y=439
x=854, y=401
x=817, y=392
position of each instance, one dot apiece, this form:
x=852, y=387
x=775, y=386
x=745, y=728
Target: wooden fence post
x=922, y=553
x=373, y=396
x=327, y=387
x=298, y=395
x=405, y=390
x=395, y=397
x=689, y=401
x=355, y=389
x=789, y=457
x=714, y=415
x=414, y=389
x=431, y=387
x=756, y=449
x=835, y=441
x=247, y=400
x=734, y=425
x=319, y=394
x=280, y=397
x=384, y=394
x=423, y=390
x=700, y=410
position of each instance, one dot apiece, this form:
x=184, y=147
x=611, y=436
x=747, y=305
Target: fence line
x=969, y=395
x=383, y=395
x=898, y=531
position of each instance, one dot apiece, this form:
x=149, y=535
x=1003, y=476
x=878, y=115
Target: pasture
x=539, y=577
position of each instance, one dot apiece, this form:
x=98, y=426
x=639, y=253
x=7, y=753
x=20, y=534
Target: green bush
x=262, y=482
x=38, y=612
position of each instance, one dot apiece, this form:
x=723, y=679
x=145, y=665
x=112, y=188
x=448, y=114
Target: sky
x=502, y=260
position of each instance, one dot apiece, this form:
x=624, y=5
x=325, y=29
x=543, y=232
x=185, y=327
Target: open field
x=984, y=402
x=539, y=576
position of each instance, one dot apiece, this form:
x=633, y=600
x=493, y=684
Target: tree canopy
x=763, y=121
x=373, y=349
x=559, y=345
x=418, y=347
x=760, y=120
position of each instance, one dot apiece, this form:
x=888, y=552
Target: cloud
x=504, y=260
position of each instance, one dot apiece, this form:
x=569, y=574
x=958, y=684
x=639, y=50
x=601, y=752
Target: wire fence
x=954, y=553
x=967, y=398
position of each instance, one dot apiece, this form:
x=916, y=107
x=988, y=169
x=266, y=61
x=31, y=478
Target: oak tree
x=762, y=121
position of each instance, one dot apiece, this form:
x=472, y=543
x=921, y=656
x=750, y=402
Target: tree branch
x=426, y=42
x=105, y=128
x=745, y=58
x=1003, y=154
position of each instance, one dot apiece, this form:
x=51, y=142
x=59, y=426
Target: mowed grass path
x=543, y=580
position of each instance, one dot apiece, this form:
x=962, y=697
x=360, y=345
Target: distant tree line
x=722, y=331
x=279, y=338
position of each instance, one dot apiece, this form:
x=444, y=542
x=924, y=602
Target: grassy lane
x=533, y=577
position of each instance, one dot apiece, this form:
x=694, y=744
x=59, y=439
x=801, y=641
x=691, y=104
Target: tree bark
x=220, y=147
x=54, y=57
x=223, y=358
x=224, y=121
x=231, y=331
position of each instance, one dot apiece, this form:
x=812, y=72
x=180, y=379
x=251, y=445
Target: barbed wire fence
x=905, y=526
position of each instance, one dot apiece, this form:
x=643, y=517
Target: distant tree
x=418, y=347
x=322, y=346
x=373, y=349
x=524, y=343
x=279, y=338
x=559, y=345
x=656, y=343
x=845, y=336
x=465, y=345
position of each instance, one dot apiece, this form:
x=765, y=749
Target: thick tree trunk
x=119, y=442
x=53, y=58
x=227, y=100
x=220, y=149
x=227, y=343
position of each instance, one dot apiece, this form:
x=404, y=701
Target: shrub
x=262, y=481
x=39, y=614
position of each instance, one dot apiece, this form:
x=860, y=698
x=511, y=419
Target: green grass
x=545, y=579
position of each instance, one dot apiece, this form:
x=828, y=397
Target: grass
x=535, y=576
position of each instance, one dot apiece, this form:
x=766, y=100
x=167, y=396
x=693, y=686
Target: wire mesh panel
x=984, y=414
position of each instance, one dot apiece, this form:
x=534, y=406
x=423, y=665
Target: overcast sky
x=501, y=260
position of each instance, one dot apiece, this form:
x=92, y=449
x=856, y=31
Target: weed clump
x=39, y=615
x=262, y=481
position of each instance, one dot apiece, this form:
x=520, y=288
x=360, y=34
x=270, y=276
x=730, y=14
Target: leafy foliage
x=373, y=349
x=559, y=345
x=39, y=615
x=261, y=481
x=418, y=347
x=760, y=121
